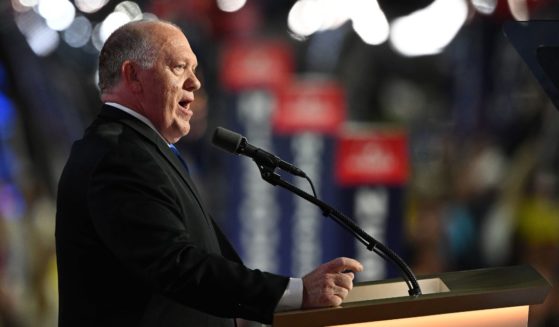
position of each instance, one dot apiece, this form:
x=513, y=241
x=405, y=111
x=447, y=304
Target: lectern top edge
x=472, y=290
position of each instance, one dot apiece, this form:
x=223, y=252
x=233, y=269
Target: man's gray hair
x=128, y=42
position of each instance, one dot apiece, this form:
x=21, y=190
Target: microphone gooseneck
x=267, y=163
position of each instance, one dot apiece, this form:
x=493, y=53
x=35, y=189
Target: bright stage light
x=369, y=22
x=310, y=16
x=78, y=33
x=131, y=9
x=58, y=14
x=519, y=9
x=303, y=18
x=90, y=6
x=113, y=21
x=428, y=31
x=486, y=7
x=230, y=5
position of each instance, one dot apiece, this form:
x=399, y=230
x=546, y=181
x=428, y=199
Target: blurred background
x=418, y=119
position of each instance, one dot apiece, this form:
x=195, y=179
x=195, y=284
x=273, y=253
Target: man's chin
x=183, y=130
x=175, y=134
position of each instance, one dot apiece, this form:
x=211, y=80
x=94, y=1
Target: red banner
x=379, y=157
x=310, y=105
x=265, y=64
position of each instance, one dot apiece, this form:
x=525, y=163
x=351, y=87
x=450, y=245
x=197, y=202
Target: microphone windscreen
x=226, y=139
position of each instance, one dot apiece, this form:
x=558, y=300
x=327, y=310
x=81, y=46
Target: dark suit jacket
x=136, y=246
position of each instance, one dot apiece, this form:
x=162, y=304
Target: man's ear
x=129, y=75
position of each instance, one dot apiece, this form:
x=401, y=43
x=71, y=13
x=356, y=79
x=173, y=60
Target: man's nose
x=192, y=83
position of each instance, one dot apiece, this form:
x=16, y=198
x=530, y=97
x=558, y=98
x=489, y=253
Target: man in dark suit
x=135, y=244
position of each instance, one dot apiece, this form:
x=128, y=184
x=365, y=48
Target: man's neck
x=135, y=114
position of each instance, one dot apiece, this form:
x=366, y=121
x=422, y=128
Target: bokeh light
x=310, y=16
x=369, y=22
x=428, y=31
x=78, y=33
x=90, y=6
x=28, y=3
x=486, y=7
x=60, y=14
x=131, y=9
x=230, y=5
x=301, y=19
x=43, y=40
x=519, y=9
x=23, y=5
x=113, y=21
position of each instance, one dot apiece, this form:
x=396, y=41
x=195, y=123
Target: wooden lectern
x=496, y=297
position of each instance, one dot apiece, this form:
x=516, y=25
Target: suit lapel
x=150, y=135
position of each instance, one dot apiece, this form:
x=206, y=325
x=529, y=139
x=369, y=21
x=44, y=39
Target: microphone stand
x=267, y=171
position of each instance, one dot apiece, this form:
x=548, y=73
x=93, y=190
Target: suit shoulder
x=109, y=141
x=114, y=135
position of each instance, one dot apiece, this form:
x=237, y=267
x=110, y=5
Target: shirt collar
x=138, y=116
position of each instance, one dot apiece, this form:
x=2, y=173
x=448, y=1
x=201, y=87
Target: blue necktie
x=178, y=154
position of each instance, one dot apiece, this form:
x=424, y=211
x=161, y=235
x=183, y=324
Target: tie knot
x=175, y=150
x=178, y=155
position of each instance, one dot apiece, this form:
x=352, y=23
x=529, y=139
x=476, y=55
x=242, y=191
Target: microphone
x=236, y=143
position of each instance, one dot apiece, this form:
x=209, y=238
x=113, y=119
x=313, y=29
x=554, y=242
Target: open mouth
x=183, y=104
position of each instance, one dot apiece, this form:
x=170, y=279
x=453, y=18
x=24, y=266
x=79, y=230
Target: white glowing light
x=96, y=37
x=90, y=6
x=149, y=16
x=43, y=41
x=519, y=9
x=131, y=9
x=62, y=17
x=78, y=33
x=28, y=3
x=369, y=22
x=48, y=8
x=230, y=5
x=309, y=16
x=486, y=7
x=335, y=13
x=303, y=18
x=23, y=5
x=96, y=78
x=429, y=30
x=28, y=21
x=113, y=21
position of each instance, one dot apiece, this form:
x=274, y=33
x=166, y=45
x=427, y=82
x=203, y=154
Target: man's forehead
x=163, y=32
x=169, y=41
x=171, y=38
x=178, y=47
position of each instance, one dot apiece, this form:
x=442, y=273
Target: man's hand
x=330, y=283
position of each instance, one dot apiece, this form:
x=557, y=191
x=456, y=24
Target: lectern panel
x=394, y=289
x=503, y=317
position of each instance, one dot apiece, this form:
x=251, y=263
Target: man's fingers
x=330, y=283
x=344, y=280
x=334, y=296
x=349, y=274
x=341, y=292
x=342, y=264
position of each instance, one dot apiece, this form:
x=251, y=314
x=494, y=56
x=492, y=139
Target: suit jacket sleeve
x=157, y=232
